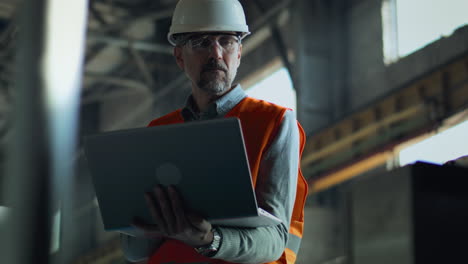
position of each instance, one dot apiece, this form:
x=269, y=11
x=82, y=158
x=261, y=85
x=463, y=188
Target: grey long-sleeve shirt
x=275, y=191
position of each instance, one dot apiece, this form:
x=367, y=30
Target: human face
x=210, y=61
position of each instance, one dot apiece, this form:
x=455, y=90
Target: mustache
x=213, y=65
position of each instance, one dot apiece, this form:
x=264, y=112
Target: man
x=207, y=37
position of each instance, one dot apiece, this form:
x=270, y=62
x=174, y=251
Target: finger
x=202, y=226
x=146, y=228
x=178, y=208
x=155, y=213
x=199, y=223
x=167, y=214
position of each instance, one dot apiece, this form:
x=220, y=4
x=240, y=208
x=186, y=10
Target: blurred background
x=377, y=85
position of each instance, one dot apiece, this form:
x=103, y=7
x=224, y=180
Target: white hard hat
x=206, y=16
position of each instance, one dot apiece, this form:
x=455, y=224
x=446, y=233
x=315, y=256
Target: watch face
x=211, y=249
x=207, y=251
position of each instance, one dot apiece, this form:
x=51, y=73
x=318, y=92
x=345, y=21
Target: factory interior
x=379, y=86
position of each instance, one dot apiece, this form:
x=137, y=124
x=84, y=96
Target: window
x=445, y=146
x=276, y=88
x=409, y=25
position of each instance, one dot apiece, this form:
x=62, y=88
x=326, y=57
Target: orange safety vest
x=260, y=121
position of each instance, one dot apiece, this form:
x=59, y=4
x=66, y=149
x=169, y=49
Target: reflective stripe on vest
x=294, y=243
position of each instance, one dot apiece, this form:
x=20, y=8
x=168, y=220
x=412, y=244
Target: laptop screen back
x=205, y=160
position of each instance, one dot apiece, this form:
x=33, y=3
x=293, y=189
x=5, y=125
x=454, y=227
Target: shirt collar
x=218, y=108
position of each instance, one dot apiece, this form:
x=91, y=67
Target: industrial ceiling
x=127, y=54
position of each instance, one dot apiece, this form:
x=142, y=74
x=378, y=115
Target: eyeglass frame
x=186, y=39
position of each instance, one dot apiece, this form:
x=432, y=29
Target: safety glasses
x=204, y=42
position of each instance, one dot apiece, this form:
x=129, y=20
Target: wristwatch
x=211, y=249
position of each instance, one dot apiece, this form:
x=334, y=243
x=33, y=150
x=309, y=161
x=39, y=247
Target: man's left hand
x=173, y=220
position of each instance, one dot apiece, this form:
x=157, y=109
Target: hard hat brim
x=181, y=29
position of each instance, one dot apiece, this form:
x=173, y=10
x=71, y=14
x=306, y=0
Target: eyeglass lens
x=229, y=43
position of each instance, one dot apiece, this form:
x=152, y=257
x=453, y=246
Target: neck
x=204, y=99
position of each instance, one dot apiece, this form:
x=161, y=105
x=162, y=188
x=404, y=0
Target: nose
x=216, y=51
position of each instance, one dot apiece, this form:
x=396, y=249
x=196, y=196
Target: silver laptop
x=206, y=161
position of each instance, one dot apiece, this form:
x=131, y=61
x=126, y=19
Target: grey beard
x=214, y=86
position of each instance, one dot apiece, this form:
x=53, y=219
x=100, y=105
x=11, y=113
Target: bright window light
x=55, y=234
x=448, y=145
x=4, y=212
x=420, y=22
x=276, y=88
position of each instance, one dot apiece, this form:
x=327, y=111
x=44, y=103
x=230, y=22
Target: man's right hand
x=173, y=220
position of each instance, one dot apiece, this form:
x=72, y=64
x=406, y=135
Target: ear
x=178, y=56
x=239, y=55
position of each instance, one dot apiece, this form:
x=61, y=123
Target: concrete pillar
x=325, y=238
x=42, y=147
x=320, y=61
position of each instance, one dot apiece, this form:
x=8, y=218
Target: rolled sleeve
x=276, y=193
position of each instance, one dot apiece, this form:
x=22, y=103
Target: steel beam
x=271, y=14
x=142, y=66
x=132, y=87
x=260, y=27
x=332, y=155
x=118, y=81
x=148, y=103
x=127, y=43
x=279, y=42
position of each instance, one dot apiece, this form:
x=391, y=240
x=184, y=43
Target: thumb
x=199, y=222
